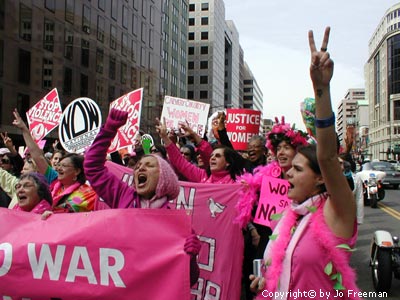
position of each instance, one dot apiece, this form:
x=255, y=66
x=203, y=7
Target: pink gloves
x=192, y=245
x=116, y=118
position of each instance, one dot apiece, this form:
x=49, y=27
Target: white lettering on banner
x=210, y=243
x=243, y=119
x=79, y=254
x=240, y=137
x=47, y=116
x=127, y=178
x=211, y=291
x=181, y=201
x=47, y=105
x=6, y=265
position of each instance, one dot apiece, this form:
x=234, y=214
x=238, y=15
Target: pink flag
x=109, y=254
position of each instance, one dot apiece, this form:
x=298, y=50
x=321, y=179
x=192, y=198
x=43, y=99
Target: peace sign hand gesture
x=321, y=69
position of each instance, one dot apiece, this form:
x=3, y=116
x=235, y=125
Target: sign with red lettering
x=44, y=116
x=132, y=103
x=177, y=110
x=273, y=200
x=241, y=125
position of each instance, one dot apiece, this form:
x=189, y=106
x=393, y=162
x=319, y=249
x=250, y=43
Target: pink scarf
x=39, y=208
x=279, y=252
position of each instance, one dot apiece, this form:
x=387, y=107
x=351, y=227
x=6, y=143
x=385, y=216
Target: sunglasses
x=5, y=161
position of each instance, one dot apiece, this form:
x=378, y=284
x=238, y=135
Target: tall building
x=382, y=84
x=213, y=55
x=346, y=114
x=252, y=94
x=174, y=53
x=97, y=49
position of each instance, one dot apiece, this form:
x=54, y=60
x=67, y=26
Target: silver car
x=392, y=175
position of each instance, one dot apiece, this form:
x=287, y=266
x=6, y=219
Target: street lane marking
x=394, y=213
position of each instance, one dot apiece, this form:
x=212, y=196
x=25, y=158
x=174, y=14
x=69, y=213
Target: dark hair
x=235, y=160
x=43, y=189
x=161, y=149
x=192, y=152
x=62, y=152
x=310, y=152
x=77, y=161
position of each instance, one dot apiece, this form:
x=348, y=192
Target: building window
x=204, y=35
x=191, y=65
x=68, y=44
x=69, y=11
x=133, y=50
x=47, y=82
x=111, y=68
x=124, y=17
x=25, y=22
x=23, y=105
x=124, y=44
x=204, y=6
x=204, y=64
x=143, y=32
x=133, y=78
x=113, y=37
x=1, y=58
x=192, y=7
x=204, y=21
x=67, y=85
x=114, y=9
x=151, y=38
x=124, y=69
x=191, y=21
x=102, y=5
x=190, y=95
x=144, y=9
x=24, y=66
x=134, y=25
x=100, y=28
x=99, y=90
x=191, y=36
x=48, y=37
x=203, y=94
x=1, y=14
x=111, y=93
x=85, y=53
x=191, y=50
x=84, y=85
x=203, y=79
x=143, y=57
x=50, y=5
x=190, y=79
x=99, y=60
x=152, y=15
x=204, y=50
x=86, y=19
x=136, y=5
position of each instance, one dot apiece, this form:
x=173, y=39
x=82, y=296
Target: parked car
x=392, y=177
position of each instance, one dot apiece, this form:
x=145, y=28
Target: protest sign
x=44, y=116
x=241, y=125
x=132, y=103
x=105, y=255
x=273, y=200
x=79, y=125
x=177, y=110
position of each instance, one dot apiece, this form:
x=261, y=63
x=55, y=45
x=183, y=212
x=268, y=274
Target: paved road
x=387, y=217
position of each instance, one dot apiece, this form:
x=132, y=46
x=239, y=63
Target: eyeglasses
x=24, y=186
x=64, y=166
x=185, y=153
x=5, y=161
x=154, y=150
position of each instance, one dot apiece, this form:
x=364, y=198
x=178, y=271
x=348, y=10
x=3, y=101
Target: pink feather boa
x=249, y=195
x=322, y=235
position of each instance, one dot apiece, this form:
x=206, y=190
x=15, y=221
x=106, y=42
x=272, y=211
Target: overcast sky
x=273, y=35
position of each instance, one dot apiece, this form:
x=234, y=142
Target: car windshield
x=383, y=166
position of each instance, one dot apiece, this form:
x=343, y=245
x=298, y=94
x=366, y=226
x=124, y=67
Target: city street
x=386, y=217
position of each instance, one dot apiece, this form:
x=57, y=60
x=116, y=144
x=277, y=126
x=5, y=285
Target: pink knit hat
x=168, y=184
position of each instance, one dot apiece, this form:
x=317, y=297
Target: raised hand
x=18, y=122
x=321, y=69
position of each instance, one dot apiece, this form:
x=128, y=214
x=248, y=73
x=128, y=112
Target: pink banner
x=241, y=125
x=213, y=212
x=273, y=200
x=132, y=103
x=45, y=115
x=109, y=254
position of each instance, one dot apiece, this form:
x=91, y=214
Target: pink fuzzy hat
x=168, y=184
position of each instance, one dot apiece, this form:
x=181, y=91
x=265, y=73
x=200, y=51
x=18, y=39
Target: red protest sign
x=241, y=125
x=132, y=103
x=44, y=116
x=273, y=200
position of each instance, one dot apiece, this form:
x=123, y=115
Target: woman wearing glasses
x=67, y=179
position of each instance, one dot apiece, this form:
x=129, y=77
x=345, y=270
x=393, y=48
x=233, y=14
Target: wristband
x=323, y=123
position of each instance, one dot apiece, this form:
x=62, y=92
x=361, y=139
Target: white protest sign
x=79, y=125
x=177, y=110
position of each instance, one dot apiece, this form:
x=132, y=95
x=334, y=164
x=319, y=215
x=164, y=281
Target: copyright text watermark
x=322, y=294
